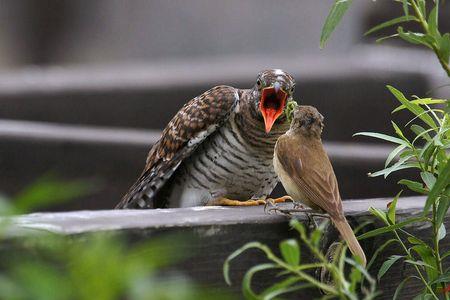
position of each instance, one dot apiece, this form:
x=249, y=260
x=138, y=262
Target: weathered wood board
x=215, y=232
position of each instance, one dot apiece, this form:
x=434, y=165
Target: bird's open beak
x=272, y=104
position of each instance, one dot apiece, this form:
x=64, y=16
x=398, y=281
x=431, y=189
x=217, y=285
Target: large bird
x=218, y=149
x=306, y=173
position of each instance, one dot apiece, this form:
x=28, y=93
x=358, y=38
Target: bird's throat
x=271, y=105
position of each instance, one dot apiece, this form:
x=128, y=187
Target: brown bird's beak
x=272, y=104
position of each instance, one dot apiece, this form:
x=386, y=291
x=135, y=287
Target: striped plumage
x=216, y=146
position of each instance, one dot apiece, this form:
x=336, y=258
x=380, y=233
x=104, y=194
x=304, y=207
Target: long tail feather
x=347, y=234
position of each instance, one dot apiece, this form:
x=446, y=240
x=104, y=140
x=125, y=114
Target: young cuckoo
x=218, y=149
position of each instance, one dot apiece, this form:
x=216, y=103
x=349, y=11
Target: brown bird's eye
x=292, y=89
x=258, y=83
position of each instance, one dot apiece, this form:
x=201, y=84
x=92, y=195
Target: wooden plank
x=214, y=232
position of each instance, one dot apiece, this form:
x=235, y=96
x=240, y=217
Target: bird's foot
x=228, y=202
x=271, y=203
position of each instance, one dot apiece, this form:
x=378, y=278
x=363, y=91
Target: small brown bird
x=306, y=172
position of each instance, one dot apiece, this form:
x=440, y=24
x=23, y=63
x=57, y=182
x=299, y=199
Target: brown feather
x=305, y=171
x=193, y=123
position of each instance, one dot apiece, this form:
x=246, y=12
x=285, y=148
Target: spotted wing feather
x=189, y=128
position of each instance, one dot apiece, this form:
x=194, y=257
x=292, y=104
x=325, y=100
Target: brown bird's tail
x=347, y=234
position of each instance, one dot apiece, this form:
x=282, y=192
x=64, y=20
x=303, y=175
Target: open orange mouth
x=272, y=105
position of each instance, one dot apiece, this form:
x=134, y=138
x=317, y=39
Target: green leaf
x=283, y=287
x=247, y=280
x=442, y=182
x=391, y=209
x=433, y=21
x=400, y=287
x=444, y=278
x=400, y=165
x=236, y=253
x=290, y=251
x=419, y=263
x=390, y=23
x=426, y=255
x=384, y=137
x=428, y=179
x=389, y=228
x=333, y=19
x=49, y=190
x=379, y=250
x=382, y=39
x=379, y=214
x=414, y=186
x=441, y=232
x=399, y=132
x=414, y=37
x=444, y=47
x=422, y=8
x=405, y=7
x=387, y=265
x=422, y=101
x=442, y=210
x=393, y=154
x=414, y=108
x=421, y=132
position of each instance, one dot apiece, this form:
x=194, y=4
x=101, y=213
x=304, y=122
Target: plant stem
x=437, y=255
x=415, y=266
x=424, y=25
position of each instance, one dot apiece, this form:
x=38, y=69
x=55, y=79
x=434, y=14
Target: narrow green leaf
x=236, y=253
x=443, y=278
x=290, y=251
x=414, y=186
x=444, y=47
x=387, y=265
x=400, y=287
x=379, y=214
x=49, y=190
x=414, y=37
x=399, y=132
x=433, y=21
x=390, y=23
x=405, y=7
x=442, y=182
x=422, y=8
x=389, y=228
x=414, y=108
x=247, y=280
x=333, y=19
x=419, y=263
x=382, y=39
x=384, y=137
x=442, y=210
x=428, y=179
x=421, y=101
x=393, y=154
x=441, y=232
x=427, y=256
x=420, y=131
x=392, y=207
x=379, y=250
x=283, y=287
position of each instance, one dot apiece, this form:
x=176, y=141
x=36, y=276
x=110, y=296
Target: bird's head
x=308, y=120
x=273, y=90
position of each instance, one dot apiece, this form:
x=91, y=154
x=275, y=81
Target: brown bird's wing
x=307, y=164
x=189, y=128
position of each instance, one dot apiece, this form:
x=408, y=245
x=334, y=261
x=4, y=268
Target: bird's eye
x=292, y=89
x=258, y=83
